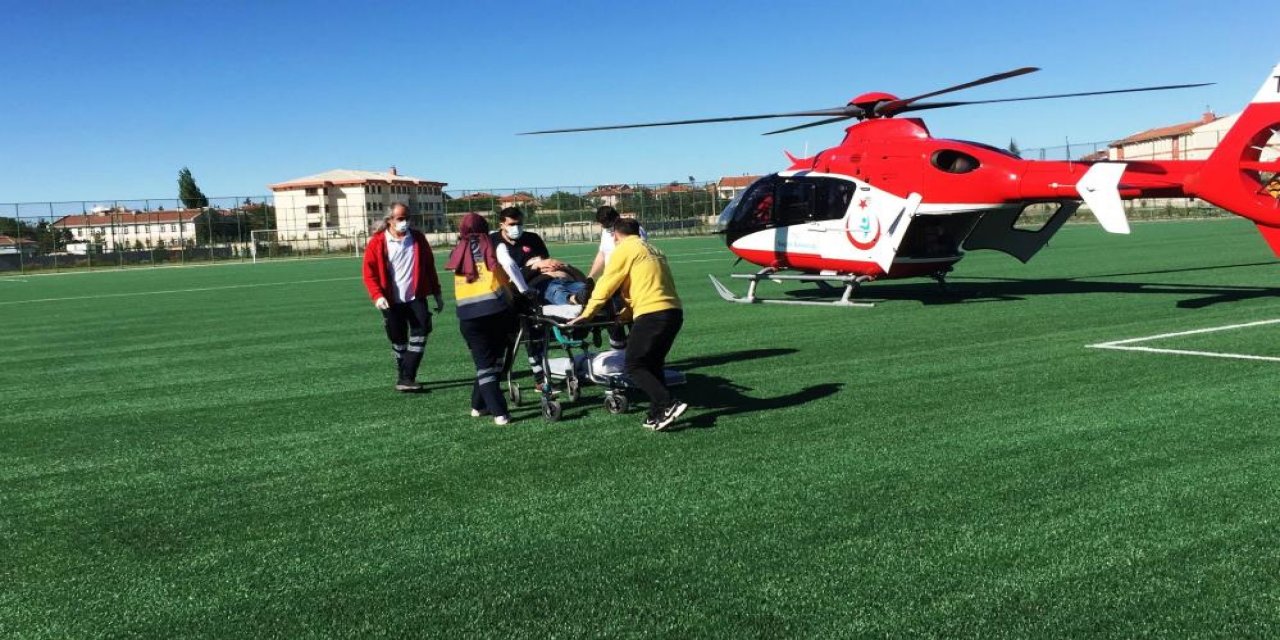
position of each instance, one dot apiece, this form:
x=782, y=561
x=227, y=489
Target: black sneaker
x=651, y=423
x=675, y=410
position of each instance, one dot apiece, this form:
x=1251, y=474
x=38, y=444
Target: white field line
x=156, y=293
x=13, y=280
x=1126, y=345
x=230, y=286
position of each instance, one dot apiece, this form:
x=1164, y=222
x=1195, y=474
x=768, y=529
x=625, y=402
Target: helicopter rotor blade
x=895, y=106
x=843, y=112
x=944, y=105
x=806, y=126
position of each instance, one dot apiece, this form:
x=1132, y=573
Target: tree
x=564, y=201
x=213, y=226
x=1013, y=148
x=188, y=192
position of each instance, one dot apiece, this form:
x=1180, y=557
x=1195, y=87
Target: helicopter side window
x=813, y=200
x=795, y=202
x=952, y=161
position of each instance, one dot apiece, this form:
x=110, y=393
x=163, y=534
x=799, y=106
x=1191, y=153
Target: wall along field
x=215, y=451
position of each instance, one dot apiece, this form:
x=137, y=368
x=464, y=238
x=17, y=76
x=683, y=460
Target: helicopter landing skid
x=850, y=283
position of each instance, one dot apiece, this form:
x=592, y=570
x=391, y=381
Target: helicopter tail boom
x=1243, y=173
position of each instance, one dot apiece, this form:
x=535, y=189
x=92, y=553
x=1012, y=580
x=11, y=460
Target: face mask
x=514, y=231
x=401, y=226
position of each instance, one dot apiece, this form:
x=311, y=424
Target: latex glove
x=439, y=303
x=382, y=304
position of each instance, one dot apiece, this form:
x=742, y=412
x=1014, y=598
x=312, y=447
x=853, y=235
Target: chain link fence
x=103, y=234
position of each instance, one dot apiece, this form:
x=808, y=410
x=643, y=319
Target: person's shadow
x=717, y=397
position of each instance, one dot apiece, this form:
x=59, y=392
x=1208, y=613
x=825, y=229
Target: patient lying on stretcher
x=530, y=267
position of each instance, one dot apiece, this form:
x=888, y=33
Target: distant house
x=113, y=229
x=351, y=201
x=10, y=246
x=610, y=194
x=673, y=188
x=518, y=199
x=729, y=187
x=1193, y=140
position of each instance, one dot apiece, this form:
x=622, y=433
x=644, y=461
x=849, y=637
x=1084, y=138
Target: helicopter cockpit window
x=776, y=201
x=808, y=199
x=952, y=161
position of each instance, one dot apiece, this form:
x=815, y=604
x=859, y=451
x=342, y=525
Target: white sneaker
x=674, y=411
x=502, y=420
x=476, y=413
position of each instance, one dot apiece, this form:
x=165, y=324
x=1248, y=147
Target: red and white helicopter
x=891, y=201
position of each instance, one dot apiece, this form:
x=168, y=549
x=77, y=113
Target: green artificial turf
x=217, y=452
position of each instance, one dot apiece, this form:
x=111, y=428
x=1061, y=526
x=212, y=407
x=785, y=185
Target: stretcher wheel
x=573, y=388
x=615, y=403
x=513, y=393
x=551, y=410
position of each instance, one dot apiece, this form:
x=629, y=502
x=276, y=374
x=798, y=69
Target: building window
x=313, y=225
x=311, y=191
x=313, y=208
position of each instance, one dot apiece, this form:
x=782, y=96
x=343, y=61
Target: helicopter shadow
x=969, y=290
x=719, y=397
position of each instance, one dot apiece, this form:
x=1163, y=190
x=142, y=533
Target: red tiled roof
x=734, y=182
x=1158, y=133
x=610, y=190
x=11, y=241
x=128, y=217
x=479, y=195
x=519, y=196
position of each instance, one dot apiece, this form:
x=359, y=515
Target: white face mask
x=514, y=231
x=401, y=226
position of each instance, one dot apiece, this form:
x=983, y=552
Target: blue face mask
x=401, y=226
x=515, y=231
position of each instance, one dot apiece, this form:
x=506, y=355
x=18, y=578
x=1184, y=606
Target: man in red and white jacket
x=400, y=272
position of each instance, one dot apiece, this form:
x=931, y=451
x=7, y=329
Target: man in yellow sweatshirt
x=641, y=273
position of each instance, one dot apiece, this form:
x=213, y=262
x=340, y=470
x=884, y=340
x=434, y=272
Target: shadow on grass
x=717, y=397
x=974, y=290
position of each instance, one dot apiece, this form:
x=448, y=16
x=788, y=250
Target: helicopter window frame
x=954, y=161
x=779, y=201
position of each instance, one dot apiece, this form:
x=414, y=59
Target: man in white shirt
x=607, y=216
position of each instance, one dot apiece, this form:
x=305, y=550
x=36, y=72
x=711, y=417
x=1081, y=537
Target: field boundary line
x=1128, y=343
x=194, y=290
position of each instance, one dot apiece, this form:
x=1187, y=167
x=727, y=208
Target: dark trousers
x=487, y=338
x=650, y=341
x=617, y=334
x=407, y=324
x=534, y=348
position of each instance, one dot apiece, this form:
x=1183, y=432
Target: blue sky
x=110, y=100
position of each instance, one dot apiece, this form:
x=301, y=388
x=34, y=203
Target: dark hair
x=606, y=215
x=627, y=227
x=513, y=213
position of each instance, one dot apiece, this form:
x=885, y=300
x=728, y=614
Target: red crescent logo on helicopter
x=869, y=227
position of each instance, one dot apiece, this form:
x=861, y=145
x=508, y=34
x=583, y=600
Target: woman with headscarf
x=484, y=312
